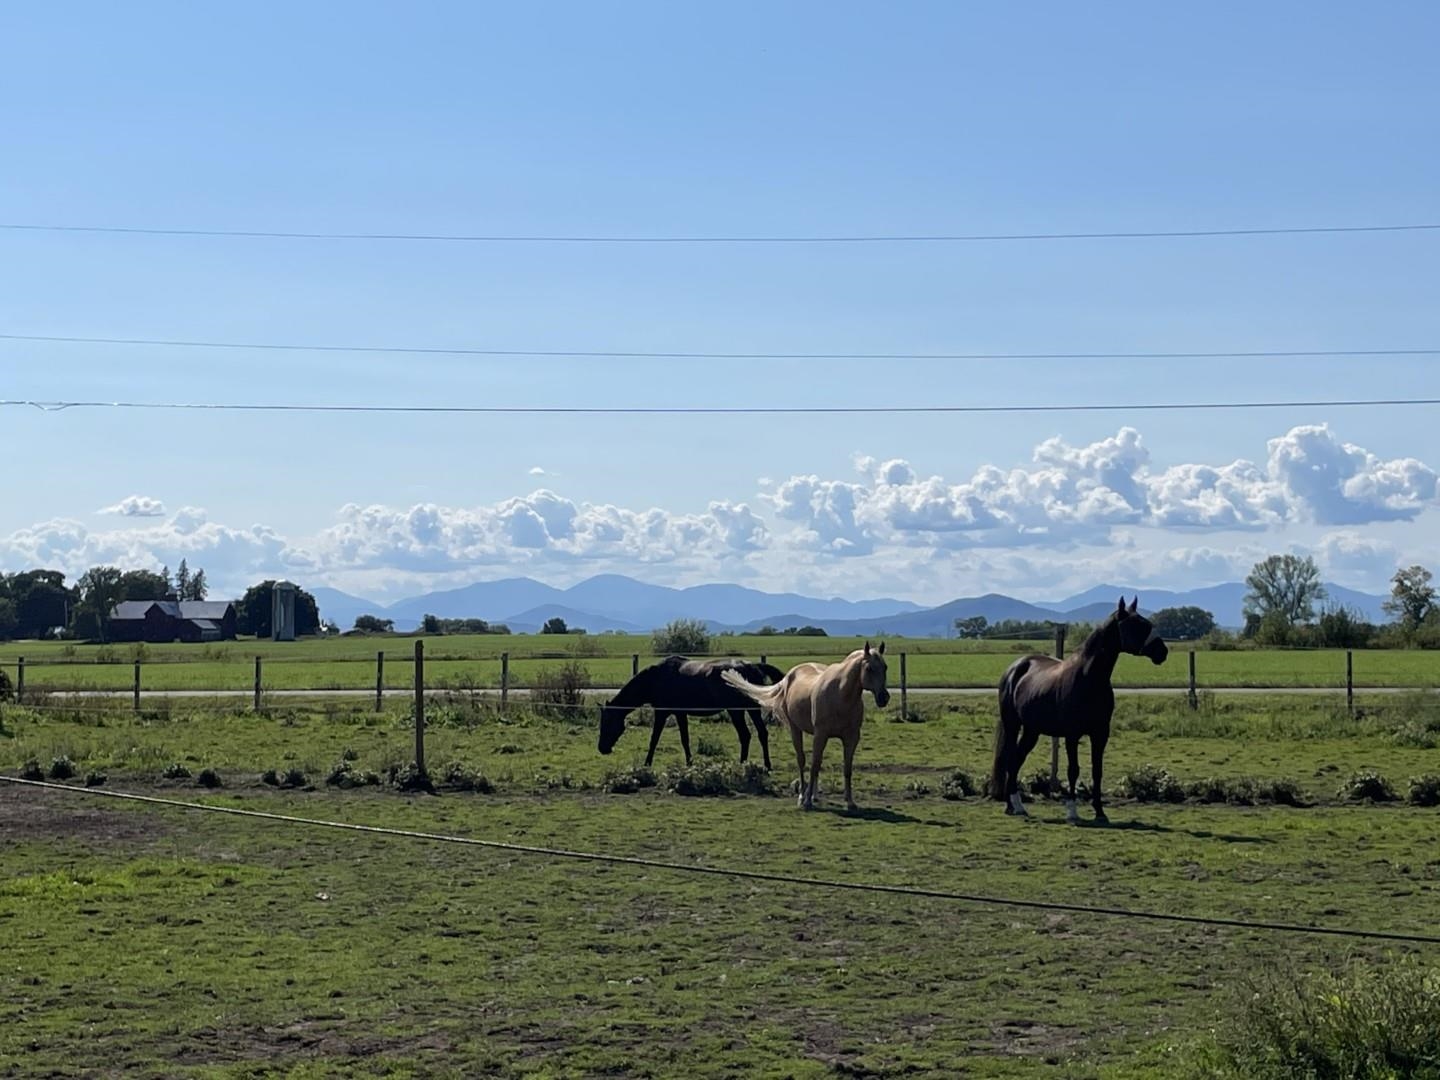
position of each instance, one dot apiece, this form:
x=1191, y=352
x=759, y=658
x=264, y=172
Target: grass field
x=474, y=660
x=150, y=941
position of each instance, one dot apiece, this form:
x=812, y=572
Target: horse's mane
x=1095, y=641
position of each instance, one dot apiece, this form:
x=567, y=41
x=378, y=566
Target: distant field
x=474, y=661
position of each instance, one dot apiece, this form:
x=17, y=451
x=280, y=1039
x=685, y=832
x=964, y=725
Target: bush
x=686, y=636
x=958, y=785
x=62, y=768
x=707, y=747
x=345, y=776
x=209, y=778
x=628, y=781
x=31, y=771
x=560, y=694
x=1367, y=785
x=460, y=777
x=1150, y=783
x=95, y=779
x=1424, y=791
x=1369, y=1023
x=1038, y=786
x=291, y=778
x=1245, y=791
x=175, y=771
x=714, y=779
x=408, y=777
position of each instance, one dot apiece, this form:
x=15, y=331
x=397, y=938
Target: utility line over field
x=631, y=354
x=722, y=410
x=895, y=238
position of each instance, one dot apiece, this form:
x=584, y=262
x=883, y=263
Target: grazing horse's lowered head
x=1138, y=635
x=872, y=673
x=612, y=725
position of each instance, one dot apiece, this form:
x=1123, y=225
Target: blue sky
x=663, y=119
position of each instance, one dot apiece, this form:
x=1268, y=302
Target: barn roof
x=138, y=609
x=204, y=609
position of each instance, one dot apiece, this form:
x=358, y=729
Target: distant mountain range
x=616, y=602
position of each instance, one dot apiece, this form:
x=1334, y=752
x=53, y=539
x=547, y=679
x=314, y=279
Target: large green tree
x=1412, y=597
x=144, y=585
x=99, y=589
x=1183, y=623
x=1285, y=588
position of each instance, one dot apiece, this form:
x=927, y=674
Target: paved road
x=918, y=691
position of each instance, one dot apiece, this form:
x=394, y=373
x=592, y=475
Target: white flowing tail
x=769, y=697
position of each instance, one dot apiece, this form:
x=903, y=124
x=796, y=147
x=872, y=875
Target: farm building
x=172, y=620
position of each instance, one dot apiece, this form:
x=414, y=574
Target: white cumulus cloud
x=136, y=506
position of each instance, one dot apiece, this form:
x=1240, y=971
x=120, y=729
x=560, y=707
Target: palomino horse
x=684, y=688
x=824, y=701
x=1068, y=699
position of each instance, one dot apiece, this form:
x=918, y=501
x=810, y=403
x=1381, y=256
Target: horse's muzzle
x=1156, y=650
x=882, y=697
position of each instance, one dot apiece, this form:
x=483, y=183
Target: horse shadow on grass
x=874, y=813
x=1151, y=827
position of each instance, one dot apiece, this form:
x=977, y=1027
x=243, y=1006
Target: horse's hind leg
x=1098, y=739
x=799, y=740
x=655, y=730
x=737, y=718
x=1072, y=754
x=762, y=734
x=817, y=752
x=1028, y=739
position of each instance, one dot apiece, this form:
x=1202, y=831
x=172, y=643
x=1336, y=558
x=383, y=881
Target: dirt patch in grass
x=37, y=814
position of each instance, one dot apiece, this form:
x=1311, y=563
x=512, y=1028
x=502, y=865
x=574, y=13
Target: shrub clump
x=345, y=776
x=628, y=781
x=209, y=778
x=175, y=771
x=716, y=779
x=559, y=693
x=460, y=777
x=408, y=777
x=1367, y=785
x=1039, y=786
x=95, y=779
x=62, y=768
x=1370, y=1023
x=290, y=778
x=31, y=771
x=1424, y=791
x=1246, y=791
x=958, y=785
x=688, y=637
x=1150, y=783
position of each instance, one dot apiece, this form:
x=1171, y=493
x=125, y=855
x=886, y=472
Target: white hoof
x=1016, y=806
x=1071, y=814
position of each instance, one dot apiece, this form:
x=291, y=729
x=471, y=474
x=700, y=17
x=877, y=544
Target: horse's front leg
x=1098, y=740
x=737, y=719
x=655, y=729
x=850, y=744
x=1072, y=754
x=683, y=722
x=817, y=751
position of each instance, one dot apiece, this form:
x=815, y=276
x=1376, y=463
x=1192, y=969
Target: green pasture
x=149, y=941
x=474, y=661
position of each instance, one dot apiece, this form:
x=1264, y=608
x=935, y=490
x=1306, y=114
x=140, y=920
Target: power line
x=747, y=875
x=722, y=410
x=609, y=354
x=930, y=238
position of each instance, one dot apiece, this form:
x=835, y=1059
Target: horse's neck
x=636, y=692
x=1101, y=651
x=850, y=677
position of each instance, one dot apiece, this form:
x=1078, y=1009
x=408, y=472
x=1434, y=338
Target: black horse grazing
x=1068, y=699
x=684, y=688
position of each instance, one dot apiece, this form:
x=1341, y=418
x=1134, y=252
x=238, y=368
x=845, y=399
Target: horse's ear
x=882, y=648
x=867, y=648
x=1122, y=606
x=1134, y=605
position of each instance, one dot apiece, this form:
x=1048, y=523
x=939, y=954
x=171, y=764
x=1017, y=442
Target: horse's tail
x=768, y=697
x=1007, y=728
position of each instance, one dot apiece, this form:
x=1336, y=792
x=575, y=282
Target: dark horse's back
x=699, y=683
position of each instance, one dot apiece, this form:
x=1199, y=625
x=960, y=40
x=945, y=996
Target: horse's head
x=612, y=725
x=872, y=673
x=1138, y=636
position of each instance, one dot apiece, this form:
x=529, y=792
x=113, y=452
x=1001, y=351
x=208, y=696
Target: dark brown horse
x=1068, y=699
x=684, y=688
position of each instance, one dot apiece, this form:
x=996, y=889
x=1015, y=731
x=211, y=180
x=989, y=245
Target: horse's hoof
x=1100, y=818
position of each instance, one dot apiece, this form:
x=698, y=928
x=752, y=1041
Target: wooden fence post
x=20, y=682
x=1349, y=682
x=379, y=680
x=504, y=682
x=1060, y=629
x=634, y=664
x=764, y=659
x=257, y=684
x=904, y=690
x=420, y=706
x=1194, y=700
x=137, y=686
